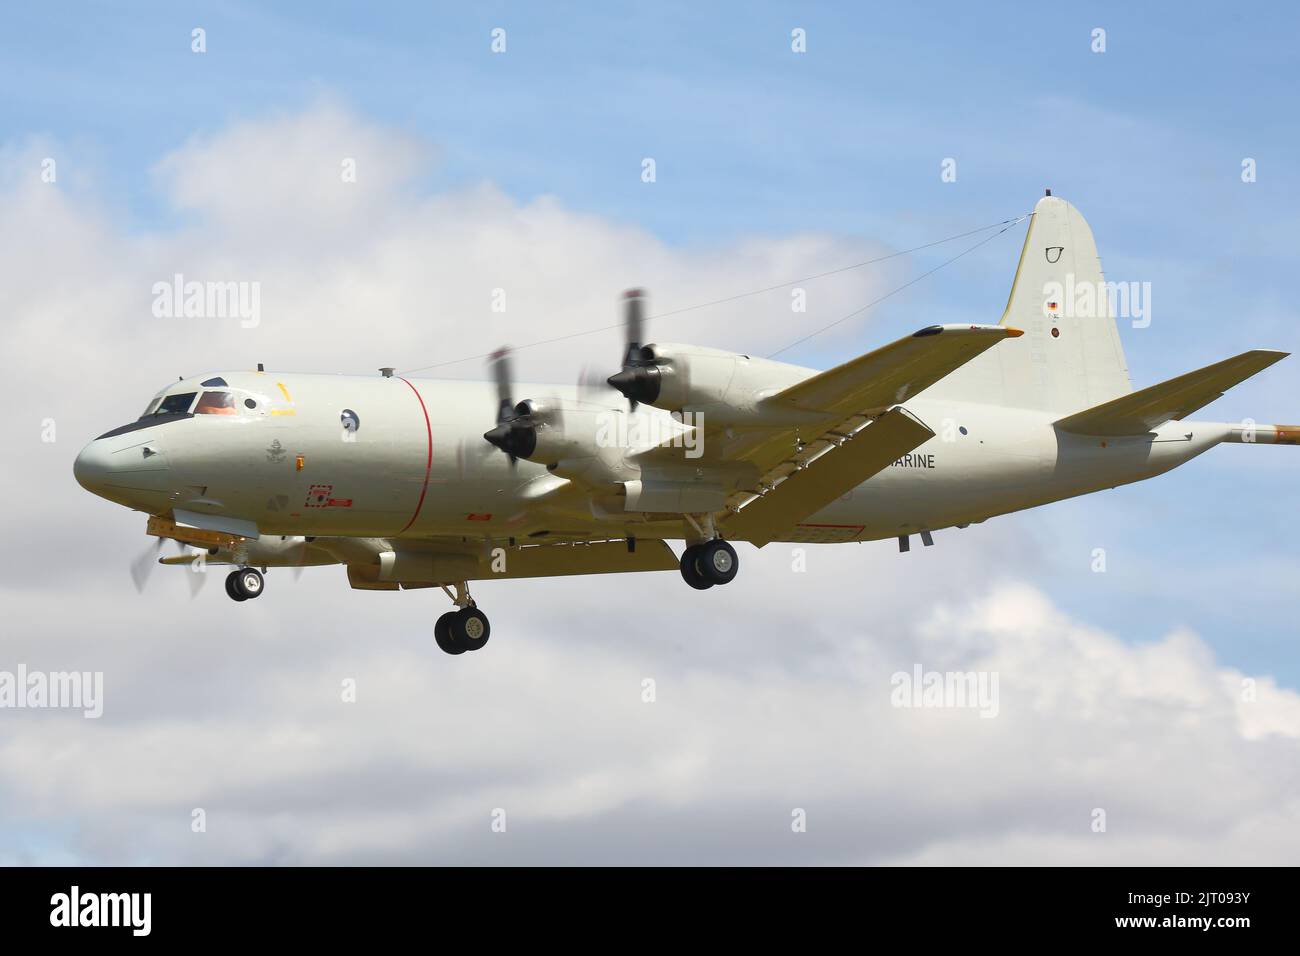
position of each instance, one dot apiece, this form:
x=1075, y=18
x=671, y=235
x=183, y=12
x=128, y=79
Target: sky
x=522, y=170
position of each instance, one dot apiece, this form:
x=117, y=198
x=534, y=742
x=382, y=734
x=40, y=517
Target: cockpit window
x=217, y=382
x=153, y=403
x=216, y=403
x=175, y=404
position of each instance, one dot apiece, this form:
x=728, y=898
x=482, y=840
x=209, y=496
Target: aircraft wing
x=892, y=374
x=849, y=395
x=812, y=484
x=1139, y=412
x=857, y=429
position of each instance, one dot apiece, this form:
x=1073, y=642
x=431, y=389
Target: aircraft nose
x=93, y=466
x=121, y=467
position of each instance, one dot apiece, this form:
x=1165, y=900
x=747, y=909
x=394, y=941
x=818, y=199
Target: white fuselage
x=384, y=457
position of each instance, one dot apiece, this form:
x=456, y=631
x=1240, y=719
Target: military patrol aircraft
x=421, y=483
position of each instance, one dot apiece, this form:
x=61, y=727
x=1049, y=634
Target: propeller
x=148, y=559
x=142, y=567
x=639, y=378
x=468, y=457
x=515, y=433
x=198, y=574
x=593, y=387
x=634, y=324
x=499, y=363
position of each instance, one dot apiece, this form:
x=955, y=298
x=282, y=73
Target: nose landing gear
x=464, y=629
x=244, y=583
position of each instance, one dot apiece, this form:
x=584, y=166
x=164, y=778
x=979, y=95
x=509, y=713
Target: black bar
x=333, y=905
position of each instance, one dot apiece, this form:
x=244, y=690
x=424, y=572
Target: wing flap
x=813, y=485
x=1139, y=412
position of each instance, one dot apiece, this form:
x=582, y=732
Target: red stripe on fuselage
x=428, y=462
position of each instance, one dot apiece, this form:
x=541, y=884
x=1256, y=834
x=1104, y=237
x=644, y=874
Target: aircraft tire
x=249, y=583
x=232, y=587
x=691, y=571
x=717, y=562
x=442, y=635
x=470, y=628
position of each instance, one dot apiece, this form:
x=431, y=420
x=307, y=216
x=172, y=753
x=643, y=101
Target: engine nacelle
x=727, y=388
x=575, y=440
x=562, y=431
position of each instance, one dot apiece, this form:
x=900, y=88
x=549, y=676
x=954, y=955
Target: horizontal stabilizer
x=1139, y=412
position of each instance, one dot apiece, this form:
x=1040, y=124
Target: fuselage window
x=216, y=403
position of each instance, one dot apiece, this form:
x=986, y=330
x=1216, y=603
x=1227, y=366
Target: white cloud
x=318, y=175
x=241, y=715
x=357, y=275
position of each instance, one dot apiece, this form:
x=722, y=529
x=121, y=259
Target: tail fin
x=1070, y=356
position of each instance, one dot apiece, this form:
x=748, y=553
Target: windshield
x=177, y=404
x=214, y=397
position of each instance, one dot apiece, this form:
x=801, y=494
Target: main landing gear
x=464, y=629
x=712, y=562
x=244, y=583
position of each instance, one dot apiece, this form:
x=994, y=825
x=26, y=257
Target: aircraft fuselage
x=390, y=457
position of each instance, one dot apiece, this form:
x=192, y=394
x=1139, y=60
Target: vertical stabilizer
x=1070, y=356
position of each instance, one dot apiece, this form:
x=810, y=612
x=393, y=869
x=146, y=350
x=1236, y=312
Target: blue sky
x=749, y=138
x=752, y=140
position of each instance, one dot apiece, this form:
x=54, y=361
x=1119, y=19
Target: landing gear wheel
x=470, y=629
x=442, y=634
x=245, y=583
x=691, y=573
x=232, y=588
x=464, y=630
x=717, y=562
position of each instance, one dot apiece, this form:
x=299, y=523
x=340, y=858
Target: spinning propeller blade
x=514, y=433
x=499, y=363
x=639, y=378
x=144, y=563
x=198, y=575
